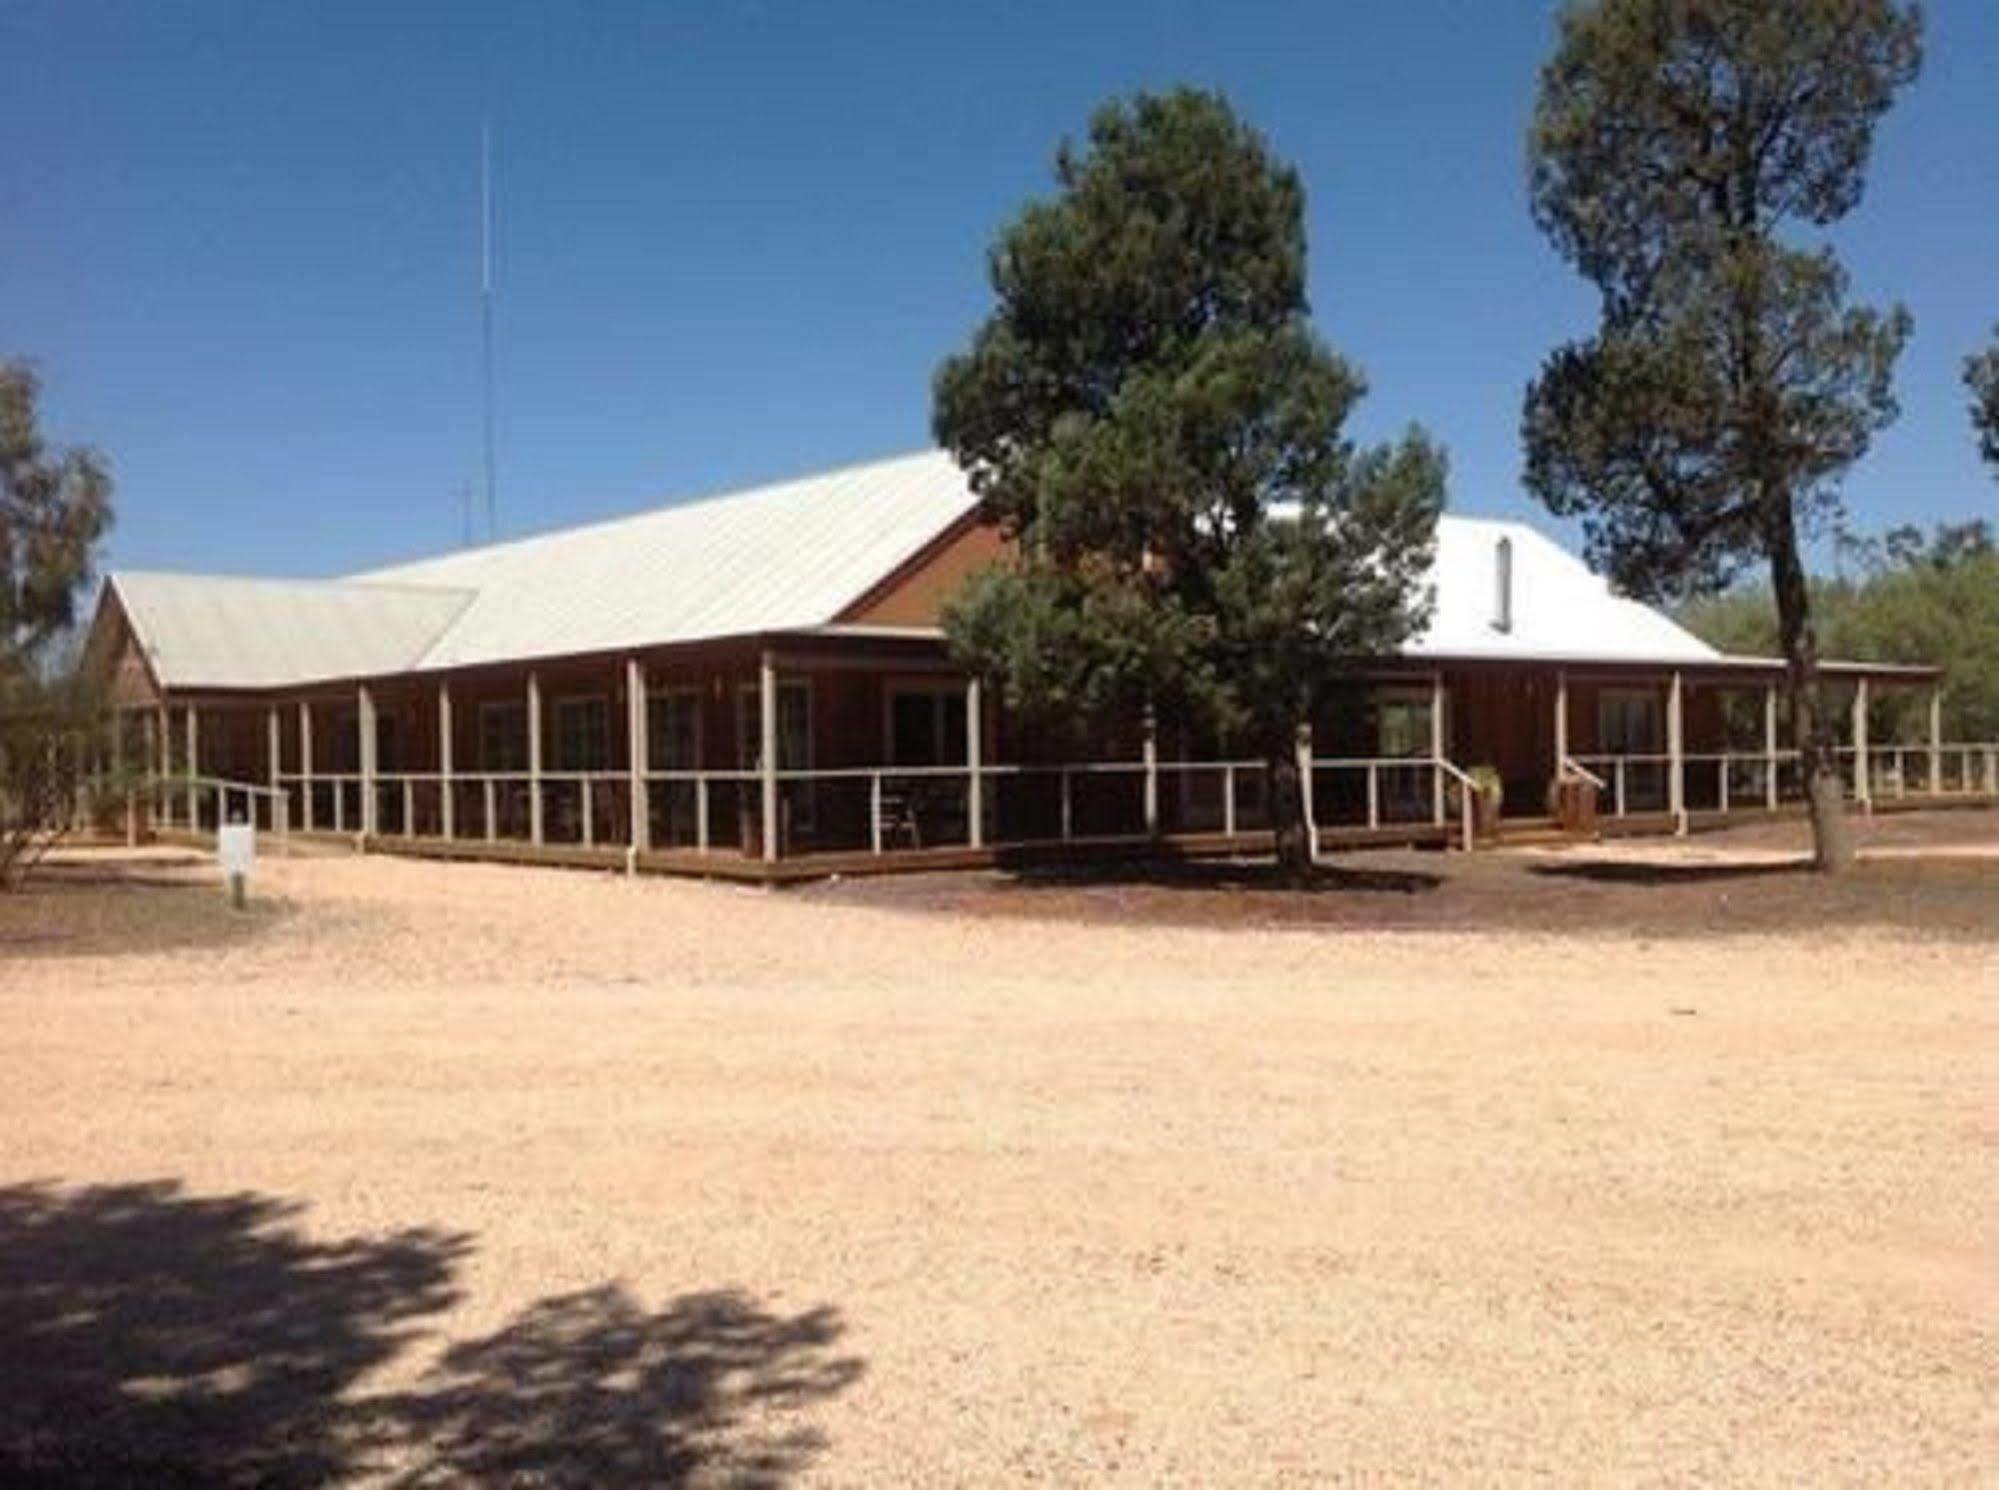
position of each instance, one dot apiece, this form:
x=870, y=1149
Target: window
x=1402, y=723
x=583, y=734
x=794, y=726
x=926, y=724
x=794, y=742
x=342, y=749
x=1628, y=722
x=673, y=730
x=503, y=736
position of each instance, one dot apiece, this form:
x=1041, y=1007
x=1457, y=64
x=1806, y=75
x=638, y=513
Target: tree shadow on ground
x=152, y=1337
x=113, y=868
x=1223, y=875
x=591, y=1389
x=122, y=914
x=1638, y=872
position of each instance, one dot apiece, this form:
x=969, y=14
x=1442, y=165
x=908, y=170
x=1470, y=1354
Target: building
x=756, y=684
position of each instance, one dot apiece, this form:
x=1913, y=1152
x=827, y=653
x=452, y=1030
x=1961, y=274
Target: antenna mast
x=486, y=314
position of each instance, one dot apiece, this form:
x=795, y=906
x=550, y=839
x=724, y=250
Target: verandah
x=795, y=750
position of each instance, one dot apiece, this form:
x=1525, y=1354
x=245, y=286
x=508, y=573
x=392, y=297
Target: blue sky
x=734, y=240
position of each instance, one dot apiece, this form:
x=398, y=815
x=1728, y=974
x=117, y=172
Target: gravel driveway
x=444, y=1174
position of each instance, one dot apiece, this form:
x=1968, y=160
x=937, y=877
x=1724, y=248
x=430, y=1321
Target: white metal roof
x=787, y=557
x=775, y=558
x=220, y=631
x=1561, y=607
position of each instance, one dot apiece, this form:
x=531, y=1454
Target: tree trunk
x=1832, y=841
x=1287, y=812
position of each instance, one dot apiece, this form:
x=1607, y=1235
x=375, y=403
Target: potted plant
x=1488, y=796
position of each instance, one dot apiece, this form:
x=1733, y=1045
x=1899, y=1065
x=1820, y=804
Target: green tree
x=55, y=505
x=1981, y=376
x=1903, y=597
x=1148, y=413
x=1677, y=147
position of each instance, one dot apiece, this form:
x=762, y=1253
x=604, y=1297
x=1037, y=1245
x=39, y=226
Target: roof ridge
x=326, y=582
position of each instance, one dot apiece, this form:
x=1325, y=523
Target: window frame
x=1610, y=698
x=656, y=738
x=565, y=707
x=490, y=708
x=940, y=691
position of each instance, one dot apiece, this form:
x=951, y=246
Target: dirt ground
x=442, y=1174
x=1928, y=874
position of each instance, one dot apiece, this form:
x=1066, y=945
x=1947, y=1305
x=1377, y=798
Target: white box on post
x=236, y=849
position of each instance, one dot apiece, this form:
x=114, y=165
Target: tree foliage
x=55, y=506
x=1148, y=412
x=1677, y=148
x=1981, y=376
x=1903, y=597
x=55, y=767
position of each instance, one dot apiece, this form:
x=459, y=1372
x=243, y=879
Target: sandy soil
x=456, y=1173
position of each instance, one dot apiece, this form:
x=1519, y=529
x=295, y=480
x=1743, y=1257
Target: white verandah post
x=193, y=725
x=1149, y=754
x=1437, y=748
x=447, y=805
x=1936, y=739
x=365, y=723
x=767, y=751
x=975, y=761
x=1676, y=777
x=1305, y=789
x=638, y=749
x=275, y=742
x=121, y=745
x=1770, y=746
x=534, y=758
x=305, y=764
x=1863, y=784
x=1561, y=722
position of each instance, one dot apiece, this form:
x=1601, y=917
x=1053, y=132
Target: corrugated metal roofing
x=216, y=631
x=1561, y=608
x=788, y=557
x=776, y=558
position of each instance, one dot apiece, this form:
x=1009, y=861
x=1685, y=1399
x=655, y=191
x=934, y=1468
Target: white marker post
x=236, y=850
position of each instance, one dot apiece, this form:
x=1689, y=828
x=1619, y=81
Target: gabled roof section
x=797, y=556
x=215, y=631
x=1561, y=609
x=786, y=557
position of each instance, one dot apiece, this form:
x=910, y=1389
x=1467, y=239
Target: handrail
x=161, y=786
x=1570, y=765
x=1468, y=786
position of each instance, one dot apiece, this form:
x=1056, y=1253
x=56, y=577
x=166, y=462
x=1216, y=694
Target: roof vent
x=1502, y=593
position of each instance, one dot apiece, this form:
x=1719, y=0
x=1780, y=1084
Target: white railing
x=875, y=809
x=884, y=808
x=1897, y=770
x=176, y=802
x=1378, y=792
x=1726, y=780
